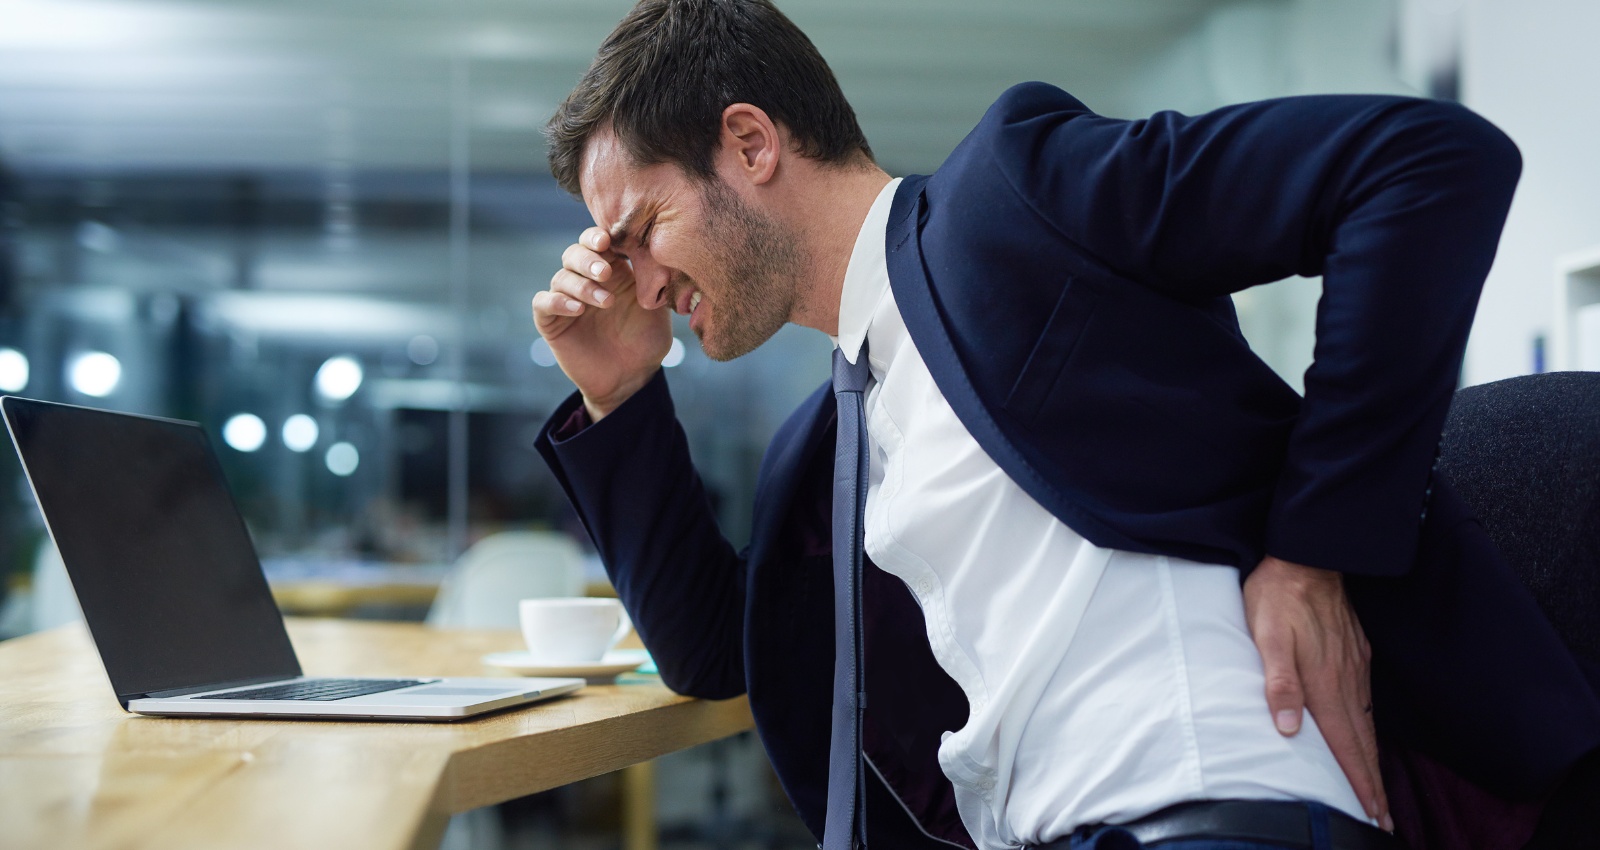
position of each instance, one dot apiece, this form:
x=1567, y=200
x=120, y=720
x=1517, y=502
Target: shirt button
x=925, y=587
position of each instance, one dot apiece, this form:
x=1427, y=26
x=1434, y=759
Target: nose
x=652, y=283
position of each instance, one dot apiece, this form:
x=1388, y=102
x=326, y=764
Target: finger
x=550, y=308
x=574, y=285
x=1285, y=694
x=596, y=238
x=1357, y=688
x=1340, y=729
x=585, y=262
x=1366, y=736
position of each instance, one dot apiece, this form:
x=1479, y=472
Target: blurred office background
x=316, y=228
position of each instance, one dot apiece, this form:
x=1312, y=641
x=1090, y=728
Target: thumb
x=1285, y=694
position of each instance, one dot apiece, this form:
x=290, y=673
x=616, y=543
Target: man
x=1074, y=453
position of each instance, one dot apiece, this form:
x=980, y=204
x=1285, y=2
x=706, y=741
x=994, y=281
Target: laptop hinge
x=219, y=686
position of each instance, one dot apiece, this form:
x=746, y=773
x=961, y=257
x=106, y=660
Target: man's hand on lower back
x=1317, y=658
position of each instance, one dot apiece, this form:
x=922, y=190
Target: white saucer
x=612, y=663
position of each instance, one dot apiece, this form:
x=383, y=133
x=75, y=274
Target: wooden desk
x=333, y=599
x=334, y=587
x=76, y=771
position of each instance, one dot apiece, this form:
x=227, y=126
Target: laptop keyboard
x=319, y=690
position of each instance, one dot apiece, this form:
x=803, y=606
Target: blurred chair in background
x=489, y=579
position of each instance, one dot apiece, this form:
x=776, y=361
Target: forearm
x=635, y=488
x=1401, y=281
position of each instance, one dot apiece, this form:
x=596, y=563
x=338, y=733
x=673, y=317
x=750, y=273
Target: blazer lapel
x=918, y=300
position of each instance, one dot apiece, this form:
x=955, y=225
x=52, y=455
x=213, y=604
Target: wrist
x=600, y=406
x=1299, y=577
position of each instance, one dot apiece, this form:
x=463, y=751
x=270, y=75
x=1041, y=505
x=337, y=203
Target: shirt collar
x=866, y=279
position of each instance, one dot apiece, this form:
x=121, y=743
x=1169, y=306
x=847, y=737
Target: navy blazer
x=1066, y=278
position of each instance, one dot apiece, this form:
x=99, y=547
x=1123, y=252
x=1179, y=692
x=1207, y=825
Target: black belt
x=1280, y=823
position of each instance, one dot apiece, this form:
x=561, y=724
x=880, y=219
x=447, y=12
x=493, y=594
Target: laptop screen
x=161, y=561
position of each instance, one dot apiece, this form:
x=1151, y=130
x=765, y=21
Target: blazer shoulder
x=1025, y=100
x=1019, y=106
x=1006, y=138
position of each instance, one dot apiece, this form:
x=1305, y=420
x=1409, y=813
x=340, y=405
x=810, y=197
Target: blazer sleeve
x=634, y=486
x=1396, y=202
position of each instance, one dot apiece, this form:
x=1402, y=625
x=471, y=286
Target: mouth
x=688, y=300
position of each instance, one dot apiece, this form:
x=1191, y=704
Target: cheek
x=683, y=246
x=681, y=263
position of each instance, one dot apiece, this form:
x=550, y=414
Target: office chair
x=1524, y=454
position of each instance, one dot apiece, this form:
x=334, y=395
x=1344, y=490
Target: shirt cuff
x=575, y=423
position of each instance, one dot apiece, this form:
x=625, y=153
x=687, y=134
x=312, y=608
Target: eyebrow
x=620, y=232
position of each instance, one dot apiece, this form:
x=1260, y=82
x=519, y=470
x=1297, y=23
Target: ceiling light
x=422, y=349
x=244, y=432
x=674, y=354
x=13, y=370
x=94, y=373
x=339, y=378
x=300, y=432
x=97, y=237
x=342, y=459
x=541, y=353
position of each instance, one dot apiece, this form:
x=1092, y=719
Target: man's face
x=694, y=246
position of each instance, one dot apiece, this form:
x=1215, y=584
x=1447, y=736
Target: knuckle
x=1276, y=649
x=1283, y=686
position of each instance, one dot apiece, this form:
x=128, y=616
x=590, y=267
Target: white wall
x=1256, y=49
x=1532, y=67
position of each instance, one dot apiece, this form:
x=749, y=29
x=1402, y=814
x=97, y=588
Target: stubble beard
x=756, y=293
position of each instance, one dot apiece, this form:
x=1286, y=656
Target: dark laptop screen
x=157, y=552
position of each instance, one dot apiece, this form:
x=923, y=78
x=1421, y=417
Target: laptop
x=171, y=588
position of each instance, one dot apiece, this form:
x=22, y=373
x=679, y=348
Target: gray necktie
x=846, y=802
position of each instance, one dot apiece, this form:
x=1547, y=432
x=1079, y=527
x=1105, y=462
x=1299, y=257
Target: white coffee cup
x=572, y=630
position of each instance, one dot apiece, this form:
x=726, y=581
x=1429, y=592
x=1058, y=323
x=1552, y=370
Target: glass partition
x=317, y=231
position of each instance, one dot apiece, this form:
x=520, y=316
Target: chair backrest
x=488, y=580
x=1524, y=454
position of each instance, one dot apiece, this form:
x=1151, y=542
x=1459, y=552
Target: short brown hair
x=663, y=77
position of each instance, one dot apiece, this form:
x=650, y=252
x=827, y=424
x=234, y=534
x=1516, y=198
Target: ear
x=750, y=146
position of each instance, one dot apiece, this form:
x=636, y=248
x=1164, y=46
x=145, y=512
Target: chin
x=721, y=349
x=719, y=353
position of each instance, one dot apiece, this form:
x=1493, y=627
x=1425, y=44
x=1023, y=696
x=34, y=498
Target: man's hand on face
x=1317, y=658
x=603, y=339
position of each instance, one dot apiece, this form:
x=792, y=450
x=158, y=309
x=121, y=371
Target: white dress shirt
x=1103, y=685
